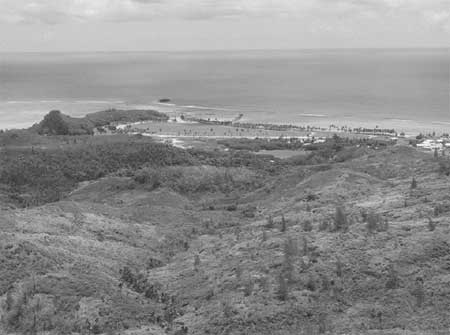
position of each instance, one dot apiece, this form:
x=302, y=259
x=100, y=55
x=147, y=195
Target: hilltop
x=57, y=123
x=121, y=234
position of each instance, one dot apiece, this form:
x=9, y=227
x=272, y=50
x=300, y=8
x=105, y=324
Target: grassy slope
x=69, y=254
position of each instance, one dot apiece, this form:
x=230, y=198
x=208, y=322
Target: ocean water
x=408, y=90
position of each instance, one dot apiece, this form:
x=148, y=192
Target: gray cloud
x=148, y=2
x=323, y=13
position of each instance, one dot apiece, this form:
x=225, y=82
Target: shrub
x=384, y=226
x=138, y=282
x=324, y=225
x=248, y=288
x=339, y=268
x=249, y=211
x=305, y=246
x=431, y=225
x=196, y=262
x=374, y=222
x=340, y=219
x=288, y=263
x=264, y=236
x=436, y=211
x=238, y=272
x=152, y=178
x=227, y=309
x=393, y=281
x=290, y=250
x=270, y=223
x=232, y=208
x=126, y=275
x=153, y=263
x=283, y=224
x=307, y=226
x=444, y=166
x=310, y=284
x=325, y=283
x=322, y=322
x=414, y=183
x=282, y=292
x=419, y=292
x=311, y=197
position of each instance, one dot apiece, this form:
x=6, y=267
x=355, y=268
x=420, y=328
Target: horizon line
x=447, y=48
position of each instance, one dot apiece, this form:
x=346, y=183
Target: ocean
x=408, y=90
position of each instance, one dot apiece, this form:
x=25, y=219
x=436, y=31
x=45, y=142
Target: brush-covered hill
x=57, y=123
x=232, y=243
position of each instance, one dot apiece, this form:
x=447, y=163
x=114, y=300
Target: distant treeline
x=378, y=131
x=310, y=144
x=287, y=127
x=277, y=127
x=262, y=144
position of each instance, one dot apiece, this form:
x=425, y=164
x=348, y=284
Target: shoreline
x=317, y=119
x=201, y=128
x=180, y=129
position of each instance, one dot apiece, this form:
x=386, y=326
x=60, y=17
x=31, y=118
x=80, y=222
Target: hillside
x=231, y=243
x=57, y=123
x=103, y=118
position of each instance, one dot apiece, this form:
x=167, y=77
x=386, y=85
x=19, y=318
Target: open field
x=193, y=130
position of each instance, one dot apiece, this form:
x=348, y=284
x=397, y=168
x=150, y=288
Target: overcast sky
x=129, y=25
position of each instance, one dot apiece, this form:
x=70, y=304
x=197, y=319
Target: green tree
x=196, y=262
x=374, y=222
x=419, y=292
x=283, y=224
x=393, y=281
x=340, y=219
x=307, y=226
x=53, y=124
x=431, y=225
x=282, y=292
x=264, y=236
x=339, y=267
x=290, y=250
x=9, y=302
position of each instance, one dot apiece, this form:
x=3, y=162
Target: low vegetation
x=444, y=165
x=56, y=123
x=123, y=235
x=262, y=144
x=198, y=179
x=38, y=175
